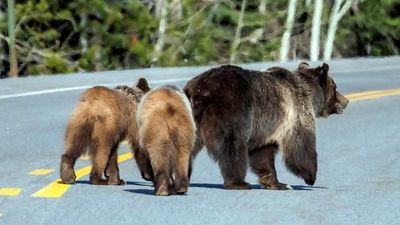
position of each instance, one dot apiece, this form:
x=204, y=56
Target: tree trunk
x=11, y=38
x=288, y=30
x=263, y=6
x=176, y=10
x=236, y=40
x=315, y=32
x=337, y=13
x=161, y=31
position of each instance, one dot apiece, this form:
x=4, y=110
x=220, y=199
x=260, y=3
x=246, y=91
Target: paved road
x=359, y=159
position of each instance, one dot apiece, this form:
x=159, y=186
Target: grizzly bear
x=101, y=120
x=245, y=116
x=166, y=138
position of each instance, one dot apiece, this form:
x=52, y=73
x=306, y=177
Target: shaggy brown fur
x=166, y=139
x=244, y=116
x=101, y=120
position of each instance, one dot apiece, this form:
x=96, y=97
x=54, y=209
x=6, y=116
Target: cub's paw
x=117, y=182
x=147, y=176
x=279, y=186
x=237, y=186
x=162, y=190
x=181, y=190
x=70, y=180
x=99, y=182
x=68, y=177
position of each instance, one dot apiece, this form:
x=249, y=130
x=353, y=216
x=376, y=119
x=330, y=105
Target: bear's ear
x=303, y=65
x=143, y=85
x=322, y=73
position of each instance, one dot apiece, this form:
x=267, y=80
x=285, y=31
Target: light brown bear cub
x=166, y=138
x=101, y=120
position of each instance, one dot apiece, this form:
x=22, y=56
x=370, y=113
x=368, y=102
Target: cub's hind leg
x=161, y=163
x=101, y=152
x=67, y=173
x=76, y=140
x=182, y=170
x=262, y=163
x=143, y=163
x=112, y=170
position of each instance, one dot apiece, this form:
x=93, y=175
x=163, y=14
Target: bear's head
x=137, y=91
x=334, y=102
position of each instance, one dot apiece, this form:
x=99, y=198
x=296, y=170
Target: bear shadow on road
x=201, y=185
x=255, y=187
x=141, y=191
x=146, y=184
x=306, y=188
x=207, y=185
x=82, y=182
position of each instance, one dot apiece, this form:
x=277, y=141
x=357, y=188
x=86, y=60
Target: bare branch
x=236, y=40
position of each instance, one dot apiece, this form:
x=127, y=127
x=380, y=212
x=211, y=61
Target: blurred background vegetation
x=64, y=36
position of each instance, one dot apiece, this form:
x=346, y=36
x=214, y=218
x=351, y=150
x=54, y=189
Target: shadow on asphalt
x=200, y=185
x=82, y=182
x=306, y=188
x=141, y=191
x=255, y=187
x=146, y=184
x=205, y=185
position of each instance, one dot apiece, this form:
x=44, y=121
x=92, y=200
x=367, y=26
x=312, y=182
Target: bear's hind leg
x=262, y=163
x=101, y=152
x=67, y=173
x=182, y=171
x=162, y=168
x=112, y=170
x=143, y=163
x=76, y=140
x=233, y=163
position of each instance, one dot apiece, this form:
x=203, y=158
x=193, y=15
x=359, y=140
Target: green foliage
x=68, y=36
x=55, y=36
x=376, y=24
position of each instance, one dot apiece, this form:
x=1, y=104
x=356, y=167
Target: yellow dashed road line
x=10, y=191
x=41, y=172
x=56, y=189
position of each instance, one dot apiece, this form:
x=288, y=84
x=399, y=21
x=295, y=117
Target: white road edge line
x=367, y=70
x=32, y=93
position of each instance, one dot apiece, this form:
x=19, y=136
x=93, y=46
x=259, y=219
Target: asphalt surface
x=359, y=159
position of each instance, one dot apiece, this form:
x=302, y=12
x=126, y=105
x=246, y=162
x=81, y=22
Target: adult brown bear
x=101, y=120
x=244, y=116
x=167, y=134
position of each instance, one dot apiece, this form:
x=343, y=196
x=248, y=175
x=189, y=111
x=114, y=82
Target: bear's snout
x=341, y=103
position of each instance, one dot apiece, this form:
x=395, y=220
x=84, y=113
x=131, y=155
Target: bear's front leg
x=300, y=156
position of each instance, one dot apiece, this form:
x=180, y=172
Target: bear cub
x=166, y=138
x=102, y=119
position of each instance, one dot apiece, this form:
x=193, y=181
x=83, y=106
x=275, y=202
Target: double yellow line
x=56, y=189
x=372, y=94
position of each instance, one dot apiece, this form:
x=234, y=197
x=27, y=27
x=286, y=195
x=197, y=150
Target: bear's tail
x=199, y=101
